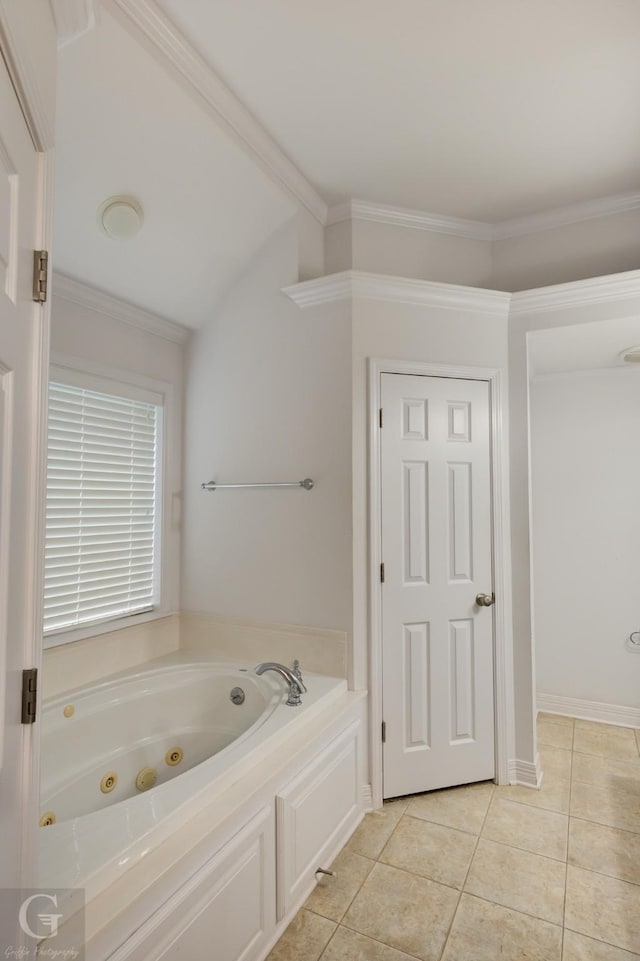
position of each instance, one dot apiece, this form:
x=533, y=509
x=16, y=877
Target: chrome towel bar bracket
x=307, y=483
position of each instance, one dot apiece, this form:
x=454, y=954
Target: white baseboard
x=589, y=710
x=366, y=795
x=525, y=773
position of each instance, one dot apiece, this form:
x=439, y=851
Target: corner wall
x=269, y=399
x=585, y=457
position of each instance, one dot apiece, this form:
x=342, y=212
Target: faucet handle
x=296, y=669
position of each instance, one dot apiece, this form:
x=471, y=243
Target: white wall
x=585, y=466
x=269, y=399
x=592, y=248
x=91, y=340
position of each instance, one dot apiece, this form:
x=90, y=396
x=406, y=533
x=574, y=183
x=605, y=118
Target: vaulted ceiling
x=479, y=109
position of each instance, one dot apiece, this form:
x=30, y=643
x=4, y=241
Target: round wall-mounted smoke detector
x=630, y=355
x=120, y=218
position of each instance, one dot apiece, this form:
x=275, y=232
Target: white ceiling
x=482, y=109
x=478, y=109
x=124, y=126
x=583, y=347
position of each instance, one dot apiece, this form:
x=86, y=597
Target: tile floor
x=483, y=873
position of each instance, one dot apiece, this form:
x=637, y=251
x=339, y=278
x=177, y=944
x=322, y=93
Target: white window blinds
x=102, y=507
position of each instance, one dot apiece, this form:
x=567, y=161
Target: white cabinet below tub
x=315, y=813
x=225, y=911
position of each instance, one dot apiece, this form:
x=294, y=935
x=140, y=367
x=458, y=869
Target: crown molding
x=481, y=230
x=563, y=216
x=175, y=53
x=404, y=217
x=28, y=39
x=351, y=284
x=73, y=18
x=66, y=288
x=578, y=293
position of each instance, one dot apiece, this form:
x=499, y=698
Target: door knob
x=485, y=600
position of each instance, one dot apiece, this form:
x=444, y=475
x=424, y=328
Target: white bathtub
x=135, y=722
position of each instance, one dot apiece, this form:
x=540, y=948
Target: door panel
x=438, y=699
x=20, y=422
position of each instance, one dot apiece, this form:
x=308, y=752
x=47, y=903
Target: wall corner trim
x=578, y=293
x=525, y=773
x=352, y=284
x=66, y=288
x=589, y=710
x=174, y=52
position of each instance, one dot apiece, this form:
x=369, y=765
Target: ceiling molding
x=563, y=216
x=176, y=54
x=73, y=18
x=579, y=293
x=404, y=217
x=478, y=229
x=66, y=288
x=351, y=284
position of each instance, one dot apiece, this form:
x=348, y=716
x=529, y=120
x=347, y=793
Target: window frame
x=110, y=380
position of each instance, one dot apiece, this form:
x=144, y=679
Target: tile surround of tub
x=319, y=651
x=93, y=658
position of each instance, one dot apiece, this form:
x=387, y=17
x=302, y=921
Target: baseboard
x=525, y=773
x=366, y=795
x=589, y=710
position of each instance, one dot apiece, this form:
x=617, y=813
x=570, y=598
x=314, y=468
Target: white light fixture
x=630, y=355
x=120, y=218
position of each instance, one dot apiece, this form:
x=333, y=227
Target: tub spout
x=296, y=686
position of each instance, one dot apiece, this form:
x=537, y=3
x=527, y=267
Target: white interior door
x=437, y=641
x=21, y=413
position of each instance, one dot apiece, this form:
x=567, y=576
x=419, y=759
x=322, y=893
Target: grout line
x=461, y=891
x=506, y=907
x=566, y=866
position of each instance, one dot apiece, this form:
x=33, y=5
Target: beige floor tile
x=332, y=896
x=463, y=808
x=579, y=948
x=348, y=945
x=519, y=880
x=306, y=937
x=406, y=912
x=376, y=828
x=488, y=932
x=553, y=795
x=555, y=762
x=606, y=850
x=603, y=908
x=604, y=770
x=616, y=804
x=430, y=850
x=556, y=718
x=527, y=827
x=554, y=733
x=605, y=740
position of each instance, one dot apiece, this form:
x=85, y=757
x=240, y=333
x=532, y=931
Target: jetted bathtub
x=122, y=758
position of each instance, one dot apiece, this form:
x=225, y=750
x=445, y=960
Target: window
x=103, y=502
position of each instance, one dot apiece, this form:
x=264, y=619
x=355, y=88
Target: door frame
x=501, y=557
x=30, y=56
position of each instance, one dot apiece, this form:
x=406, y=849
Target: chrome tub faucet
x=296, y=684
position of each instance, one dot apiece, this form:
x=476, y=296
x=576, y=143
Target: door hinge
x=40, y=275
x=382, y=573
x=380, y=417
x=384, y=731
x=29, y=695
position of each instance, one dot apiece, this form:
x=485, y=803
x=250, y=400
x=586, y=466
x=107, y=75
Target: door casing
x=500, y=530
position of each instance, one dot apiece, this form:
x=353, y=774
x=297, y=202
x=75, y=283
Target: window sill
x=106, y=627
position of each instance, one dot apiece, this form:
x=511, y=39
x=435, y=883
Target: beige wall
x=268, y=399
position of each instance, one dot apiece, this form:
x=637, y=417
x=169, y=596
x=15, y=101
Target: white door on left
x=22, y=409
